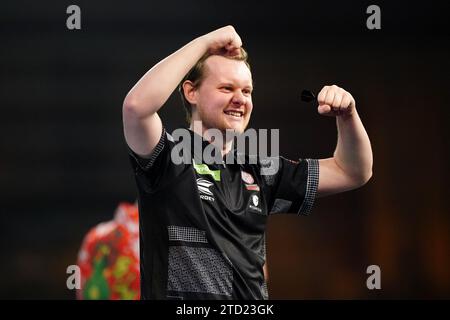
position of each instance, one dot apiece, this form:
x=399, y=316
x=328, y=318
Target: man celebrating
x=202, y=225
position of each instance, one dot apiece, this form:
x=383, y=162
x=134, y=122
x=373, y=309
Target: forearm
x=155, y=87
x=353, y=152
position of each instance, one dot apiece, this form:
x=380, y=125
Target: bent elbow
x=132, y=108
x=363, y=179
x=130, y=105
x=136, y=108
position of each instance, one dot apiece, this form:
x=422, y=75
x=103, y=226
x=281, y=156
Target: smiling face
x=223, y=100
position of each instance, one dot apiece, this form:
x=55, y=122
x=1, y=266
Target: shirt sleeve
x=158, y=170
x=293, y=187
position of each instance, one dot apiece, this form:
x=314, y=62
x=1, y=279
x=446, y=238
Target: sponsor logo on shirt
x=204, y=169
x=254, y=202
x=252, y=187
x=203, y=186
x=247, y=177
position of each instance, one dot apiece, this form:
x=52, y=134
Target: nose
x=238, y=98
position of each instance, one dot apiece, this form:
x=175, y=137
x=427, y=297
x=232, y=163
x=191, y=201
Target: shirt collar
x=198, y=154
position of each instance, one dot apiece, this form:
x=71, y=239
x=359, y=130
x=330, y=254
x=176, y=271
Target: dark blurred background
x=64, y=165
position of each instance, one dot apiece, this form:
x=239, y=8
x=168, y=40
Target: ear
x=190, y=92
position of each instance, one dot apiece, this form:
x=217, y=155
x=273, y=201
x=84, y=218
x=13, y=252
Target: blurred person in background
x=109, y=258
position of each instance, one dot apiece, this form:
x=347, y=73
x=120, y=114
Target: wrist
x=348, y=116
x=204, y=42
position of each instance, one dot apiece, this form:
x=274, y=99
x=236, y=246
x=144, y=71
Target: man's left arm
x=351, y=165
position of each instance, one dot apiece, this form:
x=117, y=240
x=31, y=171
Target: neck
x=224, y=145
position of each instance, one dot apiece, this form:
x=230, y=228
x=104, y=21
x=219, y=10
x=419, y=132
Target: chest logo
x=204, y=169
x=255, y=200
x=247, y=177
x=203, y=189
x=252, y=187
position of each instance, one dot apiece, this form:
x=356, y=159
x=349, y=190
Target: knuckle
x=347, y=102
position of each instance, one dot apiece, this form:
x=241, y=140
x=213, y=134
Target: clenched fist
x=223, y=41
x=335, y=101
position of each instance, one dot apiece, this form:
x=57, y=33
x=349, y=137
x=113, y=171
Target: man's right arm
x=142, y=125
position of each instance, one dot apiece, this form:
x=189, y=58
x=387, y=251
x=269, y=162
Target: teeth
x=235, y=114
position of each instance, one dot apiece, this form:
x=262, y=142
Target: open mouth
x=236, y=114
